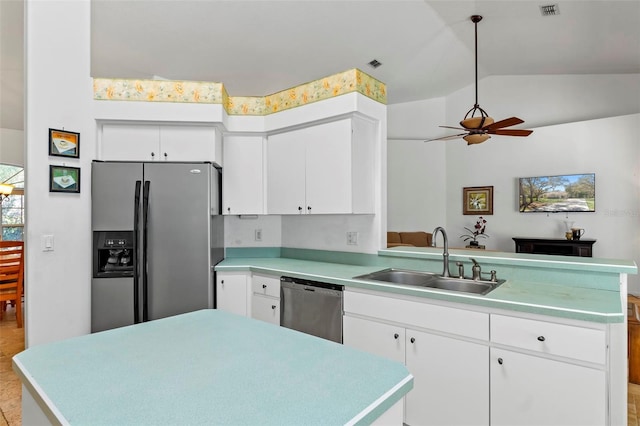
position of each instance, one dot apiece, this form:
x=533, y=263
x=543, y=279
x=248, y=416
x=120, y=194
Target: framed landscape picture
x=64, y=179
x=477, y=200
x=64, y=144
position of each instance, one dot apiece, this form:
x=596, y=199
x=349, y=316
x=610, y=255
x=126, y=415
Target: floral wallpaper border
x=349, y=81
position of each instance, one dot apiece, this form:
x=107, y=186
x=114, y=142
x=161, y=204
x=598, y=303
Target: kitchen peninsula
x=207, y=367
x=547, y=346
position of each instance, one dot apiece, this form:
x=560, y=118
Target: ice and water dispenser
x=113, y=254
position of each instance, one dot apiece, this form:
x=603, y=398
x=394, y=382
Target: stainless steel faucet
x=445, y=252
x=476, y=271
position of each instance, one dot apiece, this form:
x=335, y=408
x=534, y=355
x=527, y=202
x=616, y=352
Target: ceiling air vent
x=375, y=63
x=549, y=10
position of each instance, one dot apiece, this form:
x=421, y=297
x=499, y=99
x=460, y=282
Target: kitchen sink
x=463, y=284
x=399, y=276
x=431, y=280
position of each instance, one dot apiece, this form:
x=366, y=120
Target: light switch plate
x=47, y=242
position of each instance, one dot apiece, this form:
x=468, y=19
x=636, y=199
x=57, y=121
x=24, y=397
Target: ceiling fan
x=478, y=128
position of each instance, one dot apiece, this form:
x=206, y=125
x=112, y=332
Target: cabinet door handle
x=396, y=335
x=153, y=154
x=165, y=155
x=264, y=286
x=222, y=282
x=413, y=340
x=541, y=338
x=309, y=209
x=500, y=361
x=228, y=209
x=299, y=209
x=273, y=306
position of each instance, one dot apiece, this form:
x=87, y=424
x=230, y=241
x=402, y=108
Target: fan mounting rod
x=467, y=122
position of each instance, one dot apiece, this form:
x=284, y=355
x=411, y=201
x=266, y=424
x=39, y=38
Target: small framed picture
x=477, y=200
x=64, y=179
x=64, y=144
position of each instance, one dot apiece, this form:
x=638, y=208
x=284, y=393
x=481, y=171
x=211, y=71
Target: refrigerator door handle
x=136, y=270
x=145, y=215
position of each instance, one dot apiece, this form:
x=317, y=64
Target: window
x=12, y=208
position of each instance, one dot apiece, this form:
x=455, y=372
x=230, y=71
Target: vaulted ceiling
x=260, y=47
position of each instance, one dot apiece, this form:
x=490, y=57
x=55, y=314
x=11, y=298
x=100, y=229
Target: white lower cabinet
x=451, y=380
x=265, y=299
x=251, y=295
x=531, y=390
x=374, y=337
x=446, y=371
x=555, y=374
x=451, y=373
x=266, y=309
x=232, y=293
x=485, y=368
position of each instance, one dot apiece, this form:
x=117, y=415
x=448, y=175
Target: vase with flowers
x=477, y=232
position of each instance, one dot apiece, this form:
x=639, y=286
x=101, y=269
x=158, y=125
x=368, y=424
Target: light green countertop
x=209, y=367
x=524, y=290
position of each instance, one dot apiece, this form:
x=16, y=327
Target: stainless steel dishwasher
x=311, y=307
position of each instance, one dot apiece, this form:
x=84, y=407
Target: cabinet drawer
x=266, y=285
x=587, y=344
x=374, y=337
x=265, y=309
x=424, y=315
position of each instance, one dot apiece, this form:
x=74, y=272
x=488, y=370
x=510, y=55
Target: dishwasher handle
x=314, y=286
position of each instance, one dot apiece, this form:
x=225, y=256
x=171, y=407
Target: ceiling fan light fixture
x=475, y=138
x=476, y=122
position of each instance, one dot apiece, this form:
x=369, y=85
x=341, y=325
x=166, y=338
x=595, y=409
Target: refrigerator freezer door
x=178, y=238
x=111, y=303
x=113, y=206
x=112, y=195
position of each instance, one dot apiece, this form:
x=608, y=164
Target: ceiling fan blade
x=512, y=121
x=446, y=138
x=511, y=132
x=450, y=127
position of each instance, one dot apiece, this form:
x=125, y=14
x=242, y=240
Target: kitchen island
x=207, y=367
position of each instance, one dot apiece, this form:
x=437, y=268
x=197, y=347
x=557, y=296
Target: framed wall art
x=477, y=200
x=64, y=144
x=64, y=179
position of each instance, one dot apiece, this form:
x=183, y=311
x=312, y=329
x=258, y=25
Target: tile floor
x=12, y=342
x=633, y=404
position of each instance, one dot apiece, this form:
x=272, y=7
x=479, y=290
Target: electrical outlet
x=352, y=238
x=258, y=234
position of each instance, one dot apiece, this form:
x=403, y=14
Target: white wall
x=416, y=199
x=58, y=95
x=606, y=146
x=240, y=232
x=543, y=100
x=12, y=147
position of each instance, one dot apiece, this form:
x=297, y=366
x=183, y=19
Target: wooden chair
x=11, y=277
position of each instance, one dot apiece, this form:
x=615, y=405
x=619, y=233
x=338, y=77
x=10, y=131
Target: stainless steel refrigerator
x=157, y=234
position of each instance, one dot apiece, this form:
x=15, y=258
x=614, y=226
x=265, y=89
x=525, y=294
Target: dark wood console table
x=559, y=246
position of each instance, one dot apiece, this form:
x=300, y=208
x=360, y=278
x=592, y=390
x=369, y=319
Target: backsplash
x=349, y=81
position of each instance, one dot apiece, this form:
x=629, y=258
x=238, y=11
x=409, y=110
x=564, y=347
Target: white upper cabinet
x=323, y=169
x=153, y=142
x=286, y=173
x=243, y=179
